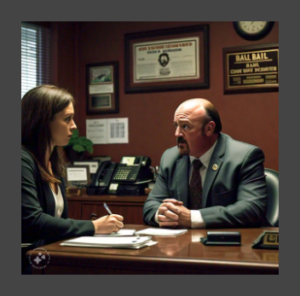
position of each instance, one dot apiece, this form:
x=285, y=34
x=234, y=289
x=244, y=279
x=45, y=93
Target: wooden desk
x=183, y=254
x=131, y=207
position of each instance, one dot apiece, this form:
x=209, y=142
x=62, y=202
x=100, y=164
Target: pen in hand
x=107, y=208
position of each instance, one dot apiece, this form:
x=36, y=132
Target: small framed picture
x=78, y=175
x=102, y=88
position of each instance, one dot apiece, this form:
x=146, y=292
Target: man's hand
x=168, y=214
x=173, y=213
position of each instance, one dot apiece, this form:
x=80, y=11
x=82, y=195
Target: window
x=35, y=56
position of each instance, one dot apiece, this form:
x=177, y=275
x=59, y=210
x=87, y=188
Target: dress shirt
x=196, y=217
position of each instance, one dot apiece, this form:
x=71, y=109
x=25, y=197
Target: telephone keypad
x=122, y=173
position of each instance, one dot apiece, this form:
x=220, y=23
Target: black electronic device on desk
x=131, y=176
x=101, y=179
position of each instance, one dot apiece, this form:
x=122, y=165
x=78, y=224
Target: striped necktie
x=196, y=186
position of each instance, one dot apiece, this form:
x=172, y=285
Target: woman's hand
x=108, y=224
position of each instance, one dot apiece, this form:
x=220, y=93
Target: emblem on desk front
x=39, y=260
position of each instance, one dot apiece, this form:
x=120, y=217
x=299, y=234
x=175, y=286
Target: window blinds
x=35, y=56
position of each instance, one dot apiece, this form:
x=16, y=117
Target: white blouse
x=59, y=202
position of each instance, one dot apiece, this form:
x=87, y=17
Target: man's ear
x=210, y=128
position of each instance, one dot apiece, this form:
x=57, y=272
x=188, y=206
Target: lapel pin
x=215, y=167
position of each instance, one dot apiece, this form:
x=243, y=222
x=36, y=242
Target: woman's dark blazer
x=39, y=226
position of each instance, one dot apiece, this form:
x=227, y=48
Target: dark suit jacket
x=39, y=226
x=234, y=195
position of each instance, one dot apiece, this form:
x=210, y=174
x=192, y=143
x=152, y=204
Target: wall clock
x=253, y=30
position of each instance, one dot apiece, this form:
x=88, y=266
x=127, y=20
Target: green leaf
x=72, y=141
x=81, y=141
x=89, y=142
x=79, y=148
x=75, y=134
x=90, y=149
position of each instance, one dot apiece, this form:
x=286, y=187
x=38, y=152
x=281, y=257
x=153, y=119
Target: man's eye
x=185, y=127
x=68, y=118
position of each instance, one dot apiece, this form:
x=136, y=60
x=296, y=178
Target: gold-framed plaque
x=251, y=69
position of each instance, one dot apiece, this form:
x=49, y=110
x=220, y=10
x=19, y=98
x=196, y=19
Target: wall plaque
x=249, y=69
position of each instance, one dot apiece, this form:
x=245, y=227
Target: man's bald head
x=202, y=107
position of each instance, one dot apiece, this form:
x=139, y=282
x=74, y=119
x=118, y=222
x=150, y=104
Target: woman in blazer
x=47, y=122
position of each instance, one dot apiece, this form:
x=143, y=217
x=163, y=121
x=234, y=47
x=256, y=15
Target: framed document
x=250, y=69
x=78, y=175
x=102, y=88
x=165, y=60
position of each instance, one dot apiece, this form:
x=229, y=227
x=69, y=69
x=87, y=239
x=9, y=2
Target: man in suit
x=227, y=186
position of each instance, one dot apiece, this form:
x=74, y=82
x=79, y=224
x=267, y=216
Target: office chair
x=272, y=179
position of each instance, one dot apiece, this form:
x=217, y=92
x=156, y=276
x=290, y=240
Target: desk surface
x=183, y=254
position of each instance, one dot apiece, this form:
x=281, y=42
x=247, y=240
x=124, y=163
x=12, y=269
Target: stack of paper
x=130, y=242
x=121, y=232
x=161, y=231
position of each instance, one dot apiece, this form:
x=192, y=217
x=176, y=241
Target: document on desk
x=121, y=232
x=161, y=231
x=127, y=242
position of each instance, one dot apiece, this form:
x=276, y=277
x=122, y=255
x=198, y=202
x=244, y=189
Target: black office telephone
x=130, y=177
x=132, y=174
x=101, y=179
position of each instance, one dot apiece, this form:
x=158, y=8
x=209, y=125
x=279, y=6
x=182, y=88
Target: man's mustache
x=181, y=140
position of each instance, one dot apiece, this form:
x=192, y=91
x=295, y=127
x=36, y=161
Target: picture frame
x=77, y=175
x=166, y=60
x=102, y=88
x=251, y=68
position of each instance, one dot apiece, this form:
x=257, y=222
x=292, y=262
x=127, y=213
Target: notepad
x=121, y=232
x=130, y=242
x=161, y=231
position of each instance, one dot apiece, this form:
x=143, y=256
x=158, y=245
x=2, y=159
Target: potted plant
x=77, y=147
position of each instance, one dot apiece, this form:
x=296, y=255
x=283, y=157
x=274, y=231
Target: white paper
x=166, y=60
x=101, y=89
x=117, y=130
x=161, y=231
x=107, y=131
x=76, y=174
x=121, y=232
x=127, y=242
x=96, y=130
x=92, y=165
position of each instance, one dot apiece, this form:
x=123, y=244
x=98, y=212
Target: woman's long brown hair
x=39, y=106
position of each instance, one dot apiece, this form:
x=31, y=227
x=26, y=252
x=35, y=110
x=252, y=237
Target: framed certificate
x=102, y=88
x=165, y=60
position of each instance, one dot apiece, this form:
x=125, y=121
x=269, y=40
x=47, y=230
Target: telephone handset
x=102, y=178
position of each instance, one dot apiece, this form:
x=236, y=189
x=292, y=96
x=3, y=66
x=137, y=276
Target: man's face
x=189, y=120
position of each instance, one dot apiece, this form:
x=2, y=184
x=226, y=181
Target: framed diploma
x=102, y=88
x=165, y=60
x=250, y=69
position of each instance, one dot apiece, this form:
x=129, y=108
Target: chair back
x=272, y=179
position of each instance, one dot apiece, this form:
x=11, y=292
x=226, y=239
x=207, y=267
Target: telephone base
x=96, y=190
x=135, y=189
